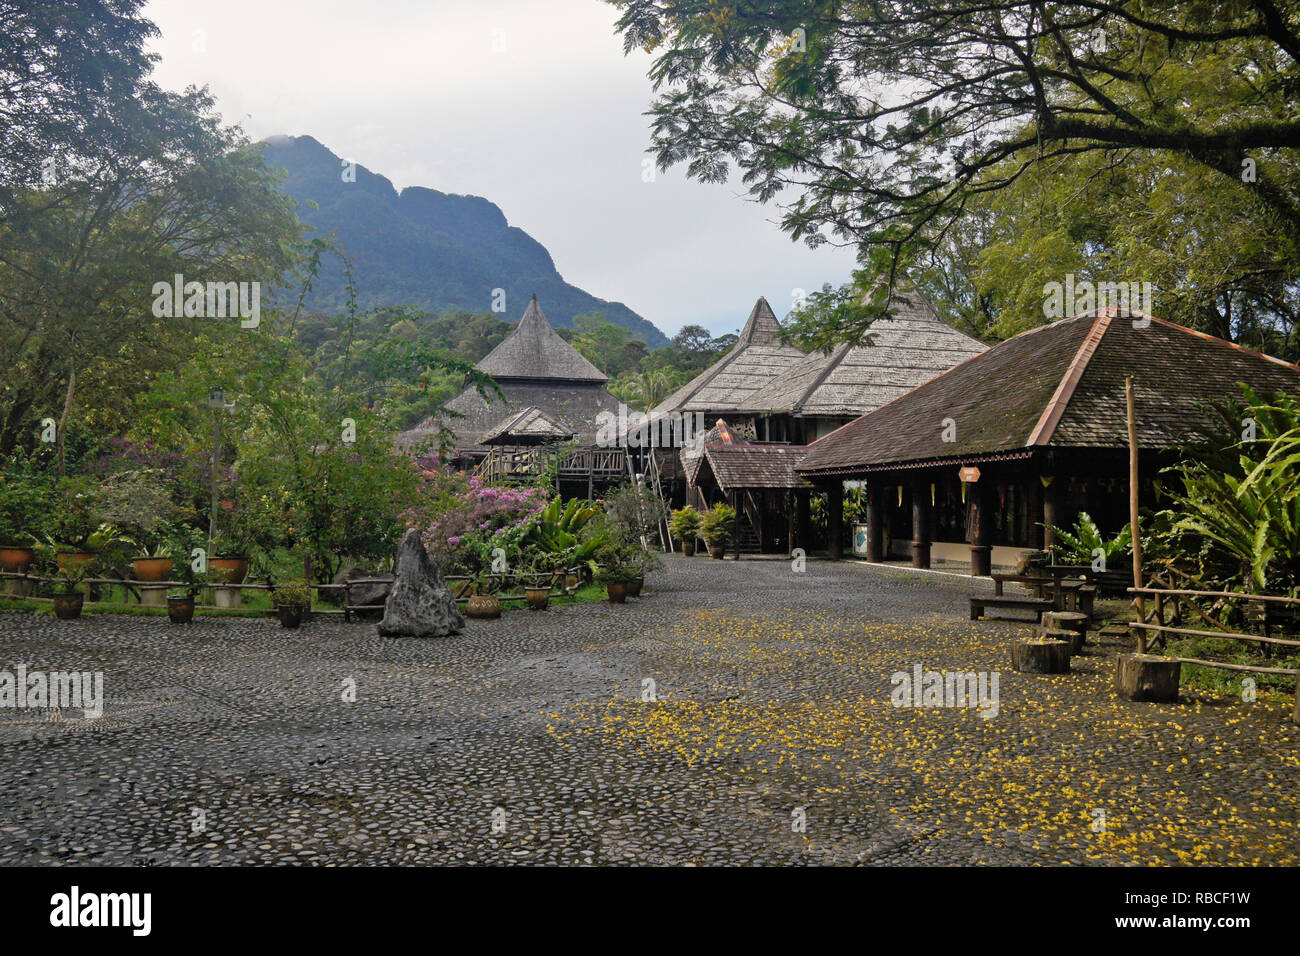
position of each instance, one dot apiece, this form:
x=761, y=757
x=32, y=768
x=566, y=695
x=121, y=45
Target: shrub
x=718, y=526
x=685, y=523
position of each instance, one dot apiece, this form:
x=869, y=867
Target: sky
x=529, y=103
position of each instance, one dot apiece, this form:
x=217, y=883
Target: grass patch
x=1233, y=652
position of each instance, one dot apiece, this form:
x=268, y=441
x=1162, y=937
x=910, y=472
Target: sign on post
x=969, y=474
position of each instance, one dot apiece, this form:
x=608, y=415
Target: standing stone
x=419, y=604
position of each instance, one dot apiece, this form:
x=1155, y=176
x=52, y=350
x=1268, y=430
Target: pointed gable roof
x=911, y=346
x=534, y=351
x=529, y=424
x=1058, y=386
x=728, y=384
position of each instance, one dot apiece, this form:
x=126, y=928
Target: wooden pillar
x=920, y=524
x=1051, y=512
x=981, y=548
x=1034, y=493
x=835, y=520
x=803, y=518
x=740, y=516
x=875, y=523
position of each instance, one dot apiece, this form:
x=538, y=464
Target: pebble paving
x=771, y=739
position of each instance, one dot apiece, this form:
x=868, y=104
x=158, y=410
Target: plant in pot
x=154, y=555
x=229, y=553
x=292, y=602
x=685, y=526
x=617, y=571
x=483, y=603
x=68, y=598
x=643, y=562
x=25, y=502
x=537, y=583
x=718, y=528
x=180, y=603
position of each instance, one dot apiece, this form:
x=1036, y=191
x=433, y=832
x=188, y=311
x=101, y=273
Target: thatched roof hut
x=536, y=370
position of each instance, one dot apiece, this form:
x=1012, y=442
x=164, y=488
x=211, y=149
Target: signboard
x=969, y=474
x=860, y=539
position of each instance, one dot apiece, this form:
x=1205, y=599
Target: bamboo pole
x=1133, y=509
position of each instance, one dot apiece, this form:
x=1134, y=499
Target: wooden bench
x=978, y=604
x=1034, y=582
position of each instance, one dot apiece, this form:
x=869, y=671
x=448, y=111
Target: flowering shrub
x=464, y=519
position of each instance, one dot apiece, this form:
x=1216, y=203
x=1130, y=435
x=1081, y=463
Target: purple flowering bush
x=463, y=520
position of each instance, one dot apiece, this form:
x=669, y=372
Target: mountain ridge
x=426, y=248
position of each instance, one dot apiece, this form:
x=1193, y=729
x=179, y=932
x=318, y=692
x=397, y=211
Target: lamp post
x=217, y=402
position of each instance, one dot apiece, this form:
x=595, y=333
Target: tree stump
x=1075, y=621
x=1147, y=677
x=1040, y=656
x=1073, y=638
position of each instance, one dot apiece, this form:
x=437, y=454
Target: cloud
x=530, y=104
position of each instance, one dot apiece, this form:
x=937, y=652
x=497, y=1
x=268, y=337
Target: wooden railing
x=1271, y=605
x=530, y=463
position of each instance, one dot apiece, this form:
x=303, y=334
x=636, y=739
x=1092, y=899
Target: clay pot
x=634, y=587
x=483, y=606
x=718, y=551
x=180, y=610
x=68, y=560
x=290, y=615
x=538, y=598
x=67, y=607
x=151, y=569
x=14, y=559
x=617, y=592
x=688, y=549
x=229, y=569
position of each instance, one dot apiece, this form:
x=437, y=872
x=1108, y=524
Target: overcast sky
x=529, y=103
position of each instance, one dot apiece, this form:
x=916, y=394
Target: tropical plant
x=616, y=563
x=292, y=594
x=685, y=523
x=718, y=526
x=1086, y=543
x=565, y=533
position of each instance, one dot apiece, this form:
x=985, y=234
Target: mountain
x=426, y=248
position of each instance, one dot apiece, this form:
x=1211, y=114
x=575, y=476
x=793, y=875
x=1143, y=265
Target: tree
x=883, y=125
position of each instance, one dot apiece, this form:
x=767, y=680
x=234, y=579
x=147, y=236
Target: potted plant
x=643, y=562
x=483, y=602
x=617, y=571
x=685, y=526
x=229, y=560
x=180, y=603
x=292, y=603
x=718, y=528
x=153, y=563
x=68, y=598
x=537, y=586
x=24, y=507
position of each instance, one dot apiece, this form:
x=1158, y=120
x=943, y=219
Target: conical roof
x=727, y=385
x=534, y=351
x=910, y=346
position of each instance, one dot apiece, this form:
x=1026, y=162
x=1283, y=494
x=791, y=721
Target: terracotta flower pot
x=229, y=569
x=617, y=592
x=68, y=560
x=538, y=598
x=151, y=569
x=483, y=606
x=718, y=551
x=180, y=610
x=14, y=559
x=290, y=615
x=634, y=587
x=67, y=607
x=688, y=549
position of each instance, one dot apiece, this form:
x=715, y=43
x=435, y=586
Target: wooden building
x=1041, y=422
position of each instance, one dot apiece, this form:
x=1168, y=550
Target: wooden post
x=920, y=525
x=736, y=505
x=1133, y=509
x=875, y=523
x=981, y=548
x=835, y=520
x=1051, y=512
x=1034, y=493
x=803, y=518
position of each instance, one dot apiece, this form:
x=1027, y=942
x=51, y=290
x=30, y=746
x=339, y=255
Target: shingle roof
x=531, y=423
x=727, y=385
x=1060, y=386
x=897, y=354
x=755, y=466
x=534, y=351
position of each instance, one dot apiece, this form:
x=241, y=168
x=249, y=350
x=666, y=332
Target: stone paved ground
x=773, y=694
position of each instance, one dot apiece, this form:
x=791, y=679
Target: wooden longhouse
x=1041, y=420
x=553, y=398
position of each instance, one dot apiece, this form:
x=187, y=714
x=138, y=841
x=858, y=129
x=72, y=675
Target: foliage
x=1237, y=504
x=292, y=594
x=718, y=525
x=1086, y=543
x=685, y=523
x=463, y=520
x=617, y=563
x=26, y=506
x=633, y=513
x=564, y=535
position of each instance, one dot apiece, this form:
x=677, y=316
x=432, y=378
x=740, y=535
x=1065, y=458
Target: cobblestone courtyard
x=230, y=742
